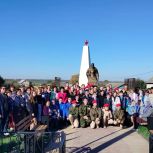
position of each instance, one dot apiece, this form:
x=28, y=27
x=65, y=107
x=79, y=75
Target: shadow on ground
x=78, y=150
x=86, y=149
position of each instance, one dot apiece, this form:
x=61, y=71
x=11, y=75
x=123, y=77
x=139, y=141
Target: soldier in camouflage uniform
x=74, y=115
x=84, y=112
x=95, y=114
x=119, y=116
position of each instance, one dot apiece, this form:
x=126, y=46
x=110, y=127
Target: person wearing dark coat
x=34, y=105
x=1, y=113
x=4, y=114
x=101, y=98
x=55, y=114
x=40, y=102
x=19, y=111
x=108, y=100
x=27, y=97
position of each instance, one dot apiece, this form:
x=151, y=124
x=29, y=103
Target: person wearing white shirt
x=115, y=101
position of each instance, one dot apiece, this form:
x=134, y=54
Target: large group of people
x=83, y=106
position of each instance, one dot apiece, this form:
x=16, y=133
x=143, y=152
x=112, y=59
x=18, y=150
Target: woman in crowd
x=39, y=102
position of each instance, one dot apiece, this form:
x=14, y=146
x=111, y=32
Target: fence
x=33, y=142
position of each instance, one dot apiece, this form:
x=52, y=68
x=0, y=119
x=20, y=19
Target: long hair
x=32, y=100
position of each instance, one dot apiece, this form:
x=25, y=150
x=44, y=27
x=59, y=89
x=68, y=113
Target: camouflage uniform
x=95, y=114
x=119, y=117
x=74, y=111
x=84, y=112
x=73, y=116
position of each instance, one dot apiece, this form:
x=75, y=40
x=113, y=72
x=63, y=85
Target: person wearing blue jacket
x=61, y=112
x=133, y=111
x=66, y=108
x=61, y=107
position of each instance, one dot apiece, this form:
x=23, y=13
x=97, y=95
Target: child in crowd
x=74, y=115
x=119, y=116
x=132, y=111
x=107, y=116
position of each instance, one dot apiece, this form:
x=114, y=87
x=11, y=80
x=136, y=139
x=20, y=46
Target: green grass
x=7, y=140
x=143, y=130
x=8, y=143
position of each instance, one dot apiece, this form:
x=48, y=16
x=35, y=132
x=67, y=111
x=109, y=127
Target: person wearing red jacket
x=62, y=94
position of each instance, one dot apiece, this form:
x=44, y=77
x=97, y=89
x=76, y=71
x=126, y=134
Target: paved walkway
x=110, y=140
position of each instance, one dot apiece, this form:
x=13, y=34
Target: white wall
x=149, y=85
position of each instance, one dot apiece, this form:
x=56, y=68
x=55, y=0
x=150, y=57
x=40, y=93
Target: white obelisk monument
x=85, y=63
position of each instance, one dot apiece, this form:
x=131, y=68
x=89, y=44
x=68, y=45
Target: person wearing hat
x=84, y=112
x=119, y=116
x=95, y=115
x=74, y=115
x=107, y=117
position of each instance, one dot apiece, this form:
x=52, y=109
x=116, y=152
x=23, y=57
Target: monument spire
x=85, y=63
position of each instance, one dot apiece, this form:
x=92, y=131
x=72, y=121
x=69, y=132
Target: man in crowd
x=84, y=112
x=74, y=115
x=101, y=98
x=4, y=110
x=119, y=116
x=20, y=110
x=95, y=115
x=108, y=101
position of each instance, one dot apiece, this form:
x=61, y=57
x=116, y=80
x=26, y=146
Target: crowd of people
x=78, y=106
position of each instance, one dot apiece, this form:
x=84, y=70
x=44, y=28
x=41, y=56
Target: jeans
x=6, y=124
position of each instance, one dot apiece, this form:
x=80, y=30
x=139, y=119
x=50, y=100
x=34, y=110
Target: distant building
x=149, y=83
x=25, y=83
x=130, y=82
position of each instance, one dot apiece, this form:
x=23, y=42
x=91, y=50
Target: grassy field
x=143, y=130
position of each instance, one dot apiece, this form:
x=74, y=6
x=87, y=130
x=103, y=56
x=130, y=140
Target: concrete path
x=110, y=140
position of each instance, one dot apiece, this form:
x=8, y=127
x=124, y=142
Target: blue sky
x=44, y=38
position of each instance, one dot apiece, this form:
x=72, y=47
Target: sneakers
x=6, y=134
